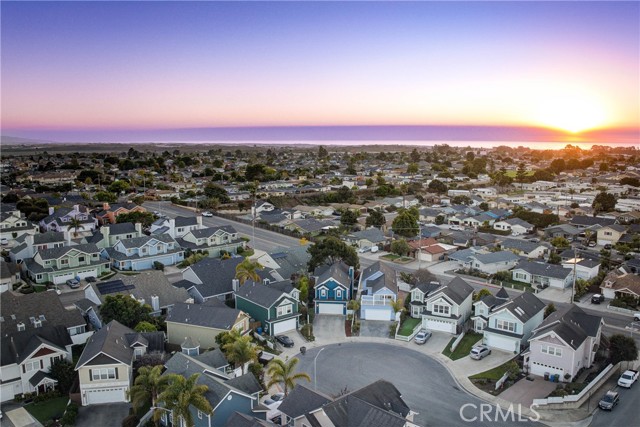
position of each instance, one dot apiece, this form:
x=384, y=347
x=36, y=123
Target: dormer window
x=21, y=327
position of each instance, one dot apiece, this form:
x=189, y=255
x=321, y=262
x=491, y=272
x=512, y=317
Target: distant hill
x=15, y=140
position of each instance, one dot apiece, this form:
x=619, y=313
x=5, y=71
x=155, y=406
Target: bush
x=307, y=332
x=157, y=265
x=503, y=275
x=392, y=329
x=46, y=396
x=130, y=421
x=70, y=415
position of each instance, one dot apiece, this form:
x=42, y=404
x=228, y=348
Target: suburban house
x=583, y=221
x=60, y=220
x=564, y=343
x=333, y=287
x=525, y=248
x=378, y=289
x=586, y=268
x=28, y=245
x=176, y=227
x=202, y=322
x=14, y=225
x=367, y=238
x=300, y=402
x=104, y=367
x=109, y=213
x=285, y=263
x=57, y=265
x=542, y=275
x=275, y=309
x=619, y=283
x=510, y=325
x=610, y=234
x=141, y=253
x=442, y=308
x=567, y=231
x=110, y=234
x=211, y=278
x=9, y=275
x=486, y=305
x=492, y=262
x=517, y=226
x=227, y=396
x=214, y=240
x=262, y=206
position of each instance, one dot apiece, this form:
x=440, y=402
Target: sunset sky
x=92, y=69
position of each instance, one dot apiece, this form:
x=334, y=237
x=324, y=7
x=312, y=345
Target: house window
x=32, y=366
x=64, y=261
x=143, y=250
x=323, y=293
x=521, y=276
x=138, y=352
x=285, y=309
x=339, y=293
x=81, y=259
x=103, y=374
x=551, y=350
x=608, y=233
x=441, y=309
x=505, y=325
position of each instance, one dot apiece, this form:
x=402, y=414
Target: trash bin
x=546, y=376
x=556, y=378
x=259, y=331
x=303, y=350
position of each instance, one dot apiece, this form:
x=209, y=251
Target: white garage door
x=106, y=395
x=372, y=314
x=540, y=370
x=324, y=308
x=87, y=273
x=502, y=343
x=63, y=278
x=440, y=325
x=281, y=327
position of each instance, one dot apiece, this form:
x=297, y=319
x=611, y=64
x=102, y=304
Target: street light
x=315, y=373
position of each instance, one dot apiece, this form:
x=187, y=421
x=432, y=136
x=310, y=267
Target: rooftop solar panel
x=113, y=287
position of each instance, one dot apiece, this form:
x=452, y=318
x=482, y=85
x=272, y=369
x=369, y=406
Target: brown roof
x=417, y=244
x=620, y=281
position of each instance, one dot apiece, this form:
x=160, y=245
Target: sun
x=571, y=113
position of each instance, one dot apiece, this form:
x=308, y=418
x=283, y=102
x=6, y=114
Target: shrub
x=503, y=275
x=130, y=421
x=70, y=415
x=392, y=329
x=307, y=332
x=157, y=265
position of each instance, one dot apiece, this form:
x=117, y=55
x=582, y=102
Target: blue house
x=378, y=289
x=333, y=288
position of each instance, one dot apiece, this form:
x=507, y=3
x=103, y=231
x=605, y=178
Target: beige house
x=610, y=234
x=200, y=323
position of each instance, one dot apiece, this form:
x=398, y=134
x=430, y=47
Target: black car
x=597, y=299
x=90, y=279
x=607, y=246
x=609, y=401
x=285, y=340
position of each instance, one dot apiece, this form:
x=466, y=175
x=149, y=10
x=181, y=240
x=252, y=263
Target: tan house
x=109, y=213
x=200, y=323
x=618, y=283
x=610, y=234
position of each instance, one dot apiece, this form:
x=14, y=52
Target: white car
x=4, y=241
x=422, y=336
x=636, y=316
x=364, y=249
x=207, y=213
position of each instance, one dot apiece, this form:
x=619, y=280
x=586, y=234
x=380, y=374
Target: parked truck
x=628, y=378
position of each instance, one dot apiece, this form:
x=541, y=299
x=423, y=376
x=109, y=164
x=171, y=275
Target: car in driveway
x=4, y=241
x=422, y=336
x=609, y=400
x=479, y=352
x=285, y=340
x=608, y=246
x=597, y=298
x=277, y=397
x=364, y=249
x=90, y=279
x=73, y=283
x=207, y=213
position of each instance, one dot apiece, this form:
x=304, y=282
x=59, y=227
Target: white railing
x=456, y=342
x=597, y=382
x=409, y=337
x=374, y=301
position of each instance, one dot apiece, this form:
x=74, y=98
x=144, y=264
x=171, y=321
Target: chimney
x=51, y=210
x=155, y=302
x=199, y=221
x=235, y=284
x=105, y=235
x=265, y=281
x=105, y=206
x=138, y=227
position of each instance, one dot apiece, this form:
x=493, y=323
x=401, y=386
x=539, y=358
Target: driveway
x=524, y=391
x=20, y=418
x=442, y=267
x=328, y=328
x=375, y=328
x=555, y=294
x=107, y=415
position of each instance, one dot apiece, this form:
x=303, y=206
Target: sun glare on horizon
x=572, y=113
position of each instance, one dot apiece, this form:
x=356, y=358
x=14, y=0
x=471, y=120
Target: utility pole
x=253, y=237
x=419, y=244
x=575, y=262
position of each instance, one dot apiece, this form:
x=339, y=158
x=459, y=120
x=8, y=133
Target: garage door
x=281, y=327
x=106, y=395
x=540, y=369
x=371, y=314
x=502, y=343
x=87, y=273
x=440, y=325
x=325, y=308
x=62, y=278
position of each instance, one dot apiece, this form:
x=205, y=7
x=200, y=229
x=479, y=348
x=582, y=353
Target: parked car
x=479, y=352
x=364, y=249
x=609, y=400
x=422, y=336
x=597, y=299
x=277, y=397
x=73, y=283
x=207, y=213
x=607, y=246
x=636, y=316
x=592, y=244
x=90, y=279
x=4, y=241
x=156, y=213
x=284, y=340
x=374, y=249
x=627, y=378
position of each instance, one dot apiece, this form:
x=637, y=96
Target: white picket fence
x=407, y=338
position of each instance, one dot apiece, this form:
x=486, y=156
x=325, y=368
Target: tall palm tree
x=148, y=385
x=247, y=270
x=284, y=373
x=181, y=394
x=75, y=224
x=241, y=351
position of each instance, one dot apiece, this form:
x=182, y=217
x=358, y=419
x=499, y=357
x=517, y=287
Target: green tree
x=521, y=172
x=549, y=309
x=349, y=217
x=331, y=250
x=248, y=270
x=322, y=153
x=400, y=247
x=214, y=191
x=118, y=186
x=303, y=287
x=63, y=372
x=144, y=218
x=484, y=206
x=560, y=242
x=622, y=349
x=405, y=224
x=75, y=224
x=412, y=168
x=182, y=393
x=241, y=351
x=375, y=219
x=554, y=258
x=284, y=373
x=145, y=327
x=148, y=385
x=634, y=182
x=604, y=202
x=125, y=310
x=477, y=296
x=438, y=186
x=105, y=196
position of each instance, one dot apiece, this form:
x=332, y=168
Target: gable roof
x=379, y=275
x=456, y=290
x=571, y=324
x=523, y=307
x=493, y=257
x=520, y=245
x=55, y=253
x=15, y=347
x=587, y=221
x=373, y=235
x=339, y=271
x=205, y=315
x=543, y=269
x=302, y=400
x=110, y=341
x=214, y=358
x=260, y=294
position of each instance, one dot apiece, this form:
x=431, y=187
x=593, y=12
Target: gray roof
x=311, y=225
x=291, y=260
x=214, y=358
x=302, y=400
x=121, y=228
x=520, y=245
x=16, y=346
x=150, y=283
x=185, y=221
x=565, y=228
x=545, y=270
x=111, y=341
x=493, y=257
x=374, y=235
x=242, y=420
x=386, y=279
x=8, y=269
x=524, y=306
x=247, y=383
x=339, y=271
x=260, y=294
x=138, y=242
x=48, y=237
x=518, y=221
x=587, y=221
x=572, y=324
x=210, y=231
x=216, y=275
x=55, y=253
x=205, y=315
x=457, y=290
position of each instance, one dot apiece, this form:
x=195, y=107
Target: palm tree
x=181, y=394
x=241, y=351
x=397, y=305
x=247, y=270
x=75, y=224
x=148, y=385
x=284, y=373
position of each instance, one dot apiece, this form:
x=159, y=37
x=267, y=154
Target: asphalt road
x=623, y=415
x=425, y=385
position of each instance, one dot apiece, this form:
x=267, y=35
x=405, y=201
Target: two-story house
x=109, y=212
x=60, y=220
x=211, y=278
x=9, y=275
x=564, y=343
x=214, y=240
x=27, y=245
x=610, y=234
x=333, y=287
x=110, y=234
x=510, y=325
x=442, y=308
x=542, y=275
x=104, y=368
x=274, y=308
x=140, y=253
x=176, y=227
x=378, y=288
x=57, y=265
x=14, y=225
x=483, y=307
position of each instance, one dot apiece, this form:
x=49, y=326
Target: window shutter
x=24, y=369
x=41, y=364
x=117, y=377
x=90, y=375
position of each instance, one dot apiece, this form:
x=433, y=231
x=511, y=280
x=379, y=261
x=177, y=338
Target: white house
x=517, y=226
x=543, y=275
x=493, y=262
x=442, y=308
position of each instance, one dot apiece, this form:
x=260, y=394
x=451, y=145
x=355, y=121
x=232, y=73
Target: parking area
x=328, y=327
x=107, y=415
x=524, y=391
x=375, y=328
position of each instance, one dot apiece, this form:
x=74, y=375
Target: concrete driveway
x=107, y=415
x=440, y=268
x=524, y=391
x=20, y=418
x=328, y=327
x=374, y=328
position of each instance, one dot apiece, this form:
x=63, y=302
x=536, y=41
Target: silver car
x=422, y=336
x=479, y=352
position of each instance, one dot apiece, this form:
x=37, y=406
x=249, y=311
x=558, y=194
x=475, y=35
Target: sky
x=101, y=70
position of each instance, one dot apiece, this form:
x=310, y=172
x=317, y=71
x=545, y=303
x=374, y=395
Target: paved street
x=625, y=414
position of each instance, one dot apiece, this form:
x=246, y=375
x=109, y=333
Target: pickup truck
x=628, y=378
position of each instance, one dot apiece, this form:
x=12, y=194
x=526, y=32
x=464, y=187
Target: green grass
x=407, y=327
x=464, y=347
x=45, y=411
x=492, y=374
x=512, y=173
x=390, y=257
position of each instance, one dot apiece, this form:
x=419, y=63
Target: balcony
x=371, y=300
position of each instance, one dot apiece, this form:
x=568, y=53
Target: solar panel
x=113, y=287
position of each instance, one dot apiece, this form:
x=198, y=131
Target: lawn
x=464, y=347
x=45, y=411
x=390, y=257
x=407, y=327
x=492, y=374
x=512, y=173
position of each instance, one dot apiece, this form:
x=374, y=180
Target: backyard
x=46, y=410
x=464, y=347
x=408, y=326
